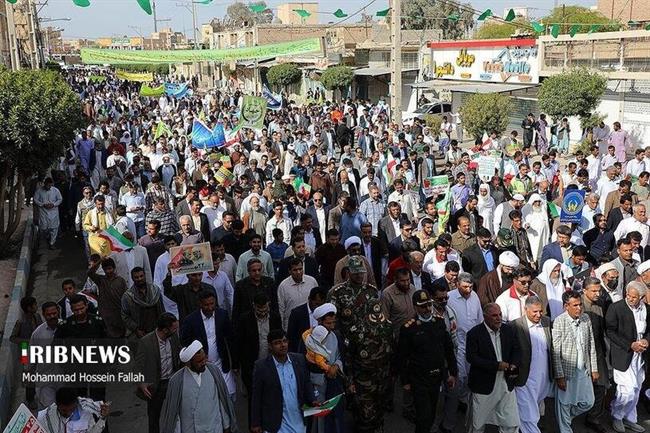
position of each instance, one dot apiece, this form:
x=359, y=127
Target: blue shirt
x=489, y=260
x=292, y=421
x=351, y=225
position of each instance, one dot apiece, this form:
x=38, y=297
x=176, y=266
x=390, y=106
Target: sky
x=110, y=18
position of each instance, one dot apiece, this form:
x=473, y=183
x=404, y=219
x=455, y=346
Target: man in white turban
x=495, y=282
x=197, y=397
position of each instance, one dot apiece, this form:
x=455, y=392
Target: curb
x=8, y=352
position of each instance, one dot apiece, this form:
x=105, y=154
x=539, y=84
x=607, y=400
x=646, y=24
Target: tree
x=567, y=16
x=499, y=30
x=241, y=15
x=337, y=77
x=434, y=14
x=486, y=112
x=39, y=114
x=573, y=93
x=283, y=75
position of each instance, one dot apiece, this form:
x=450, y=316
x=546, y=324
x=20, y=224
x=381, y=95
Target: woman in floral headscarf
x=486, y=205
x=536, y=224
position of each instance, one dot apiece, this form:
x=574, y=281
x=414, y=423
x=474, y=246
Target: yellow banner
x=142, y=77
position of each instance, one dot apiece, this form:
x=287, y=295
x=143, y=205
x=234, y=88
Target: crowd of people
x=336, y=274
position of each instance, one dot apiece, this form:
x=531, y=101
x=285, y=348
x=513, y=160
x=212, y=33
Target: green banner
x=154, y=92
x=123, y=57
x=97, y=78
x=252, y=112
x=134, y=76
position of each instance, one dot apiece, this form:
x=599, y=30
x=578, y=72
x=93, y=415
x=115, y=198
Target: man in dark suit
x=389, y=225
x=183, y=206
x=593, y=306
x=493, y=393
x=310, y=267
x=316, y=209
x=482, y=257
x=554, y=249
x=395, y=246
x=533, y=331
x=450, y=278
x=617, y=215
x=273, y=375
x=300, y=319
x=420, y=278
x=195, y=212
x=69, y=288
x=253, y=327
x=628, y=331
x=157, y=359
x=210, y=325
x=312, y=235
x=373, y=250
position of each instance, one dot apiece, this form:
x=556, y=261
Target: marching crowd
x=337, y=273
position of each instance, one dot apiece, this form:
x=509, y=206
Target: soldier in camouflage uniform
x=369, y=351
x=352, y=297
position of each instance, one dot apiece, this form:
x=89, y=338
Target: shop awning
x=471, y=86
x=372, y=72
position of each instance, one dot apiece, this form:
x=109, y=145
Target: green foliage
x=573, y=93
x=497, y=30
x=569, y=15
x=430, y=14
x=433, y=121
x=283, y=75
x=337, y=77
x=39, y=114
x=241, y=15
x=592, y=120
x=486, y=112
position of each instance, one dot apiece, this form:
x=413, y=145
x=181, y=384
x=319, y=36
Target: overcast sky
x=124, y=17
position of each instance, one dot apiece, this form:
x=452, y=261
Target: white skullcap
x=188, y=352
x=324, y=309
x=351, y=241
x=286, y=177
x=508, y=258
x=645, y=266
x=319, y=333
x=518, y=197
x=604, y=268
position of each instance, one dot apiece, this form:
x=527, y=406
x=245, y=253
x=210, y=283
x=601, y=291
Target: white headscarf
x=486, y=202
x=555, y=290
x=529, y=208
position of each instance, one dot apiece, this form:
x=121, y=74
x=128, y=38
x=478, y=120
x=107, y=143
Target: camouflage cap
x=356, y=265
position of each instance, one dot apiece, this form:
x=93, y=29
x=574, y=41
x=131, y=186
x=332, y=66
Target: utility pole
x=33, y=33
x=196, y=42
x=396, y=61
x=13, y=41
x=155, y=21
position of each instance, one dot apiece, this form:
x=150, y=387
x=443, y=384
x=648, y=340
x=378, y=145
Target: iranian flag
x=389, y=167
x=233, y=136
x=115, y=239
x=324, y=409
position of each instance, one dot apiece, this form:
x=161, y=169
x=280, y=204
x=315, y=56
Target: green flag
x=484, y=15
x=152, y=92
x=539, y=28
x=302, y=13
x=553, y=210
x=555, y=30
x=510, y=16
x=647, y=27
x=383, y=13
x=146, y=6
x=253, y=111
x=340, y=14
x=162, y=129
x=257, y=8
x=594, y=28
x=81, y=3
x=13, y=2
x=453, y=17
x=574, y=29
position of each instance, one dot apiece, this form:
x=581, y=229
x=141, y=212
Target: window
x=410, y=61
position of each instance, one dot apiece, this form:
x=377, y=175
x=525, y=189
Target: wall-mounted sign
x=465, y=60
x=444, y=95
x=497, y=61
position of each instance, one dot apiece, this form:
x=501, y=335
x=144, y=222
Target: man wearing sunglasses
x=513, y=301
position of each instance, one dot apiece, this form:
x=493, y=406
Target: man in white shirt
x=605, y=185
x=467, y=306
x=214, y=210
x=601, y=135
x=294, y=290
x=636, y=166
x=513, y=301
x=278, y=221
x=405, y=199
x=594, y=166
x=637, y=223
x=219, y=280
